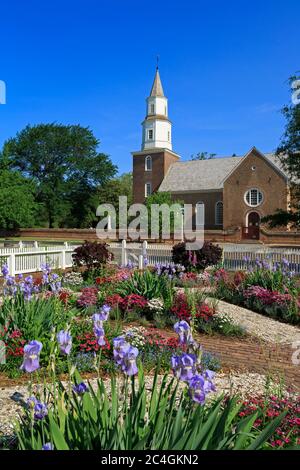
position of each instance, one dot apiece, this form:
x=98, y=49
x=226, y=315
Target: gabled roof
x=204, y=175
x=157, y=89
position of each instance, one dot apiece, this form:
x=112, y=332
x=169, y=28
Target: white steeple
x=156, y=127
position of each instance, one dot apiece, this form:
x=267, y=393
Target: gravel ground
x=12, y=399
x=258, y=325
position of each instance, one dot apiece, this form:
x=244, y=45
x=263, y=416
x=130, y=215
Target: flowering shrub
x=288, y=432
x=14, y=342
x=73, y=279
x=88, y=297
x=91, y=255
x=133, y=302
x=182, y=310
x=267, y=297
x=113, y=300
x=119, y=276
x=88, y=343
x=208, y=255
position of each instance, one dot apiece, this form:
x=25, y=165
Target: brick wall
x=161, y=162
x=253, y=172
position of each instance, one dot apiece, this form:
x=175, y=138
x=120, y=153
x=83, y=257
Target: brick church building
x=236, y=191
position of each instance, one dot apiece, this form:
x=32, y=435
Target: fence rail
x=29, y=259
x=233, y=255
x=22, y=262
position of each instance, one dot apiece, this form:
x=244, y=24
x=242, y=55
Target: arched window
x=253, y=197
x=148, y=189
x=148, y=163
x=200, y=213
x=219, y=213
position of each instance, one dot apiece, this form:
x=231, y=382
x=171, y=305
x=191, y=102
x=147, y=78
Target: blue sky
x=224, y=67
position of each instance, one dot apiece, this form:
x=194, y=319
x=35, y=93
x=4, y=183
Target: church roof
x=204, y=175
x=157, y=89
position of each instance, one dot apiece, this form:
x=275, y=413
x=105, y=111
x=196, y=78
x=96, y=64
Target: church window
x=148, y=189
x=150, y=134
x=200, y=213
x=168, y=136
x=219, y=213
x=148, y=163
x=253, y=197
x=152, y=108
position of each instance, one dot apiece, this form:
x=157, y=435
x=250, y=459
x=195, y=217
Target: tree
x=203, y=156
x=161, y=198
x=17, y=200
x=66, y=166
x=120, y=186
x=289, y=154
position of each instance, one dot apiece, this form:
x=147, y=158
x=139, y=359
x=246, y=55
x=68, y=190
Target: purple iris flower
x=31, y=356
x=5, y=270
x=120, y=349
x=48, y=446
x=100, y=335
x=196, y=389
x=80, y=389
x=128, y=364
x=184, y=366
x=102, y=315
x=182, y=328
x=64, y=340
x=40, y=409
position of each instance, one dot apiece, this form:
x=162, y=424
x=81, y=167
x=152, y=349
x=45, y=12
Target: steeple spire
x=157, y=89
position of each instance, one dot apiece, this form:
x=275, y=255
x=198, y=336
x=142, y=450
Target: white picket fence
x=233, y=255
x=26, y=259
x=23, y=261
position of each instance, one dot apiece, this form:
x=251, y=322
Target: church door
x=251, y=231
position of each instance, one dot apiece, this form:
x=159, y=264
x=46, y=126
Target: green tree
x=120, y=186
x=203, y=156
x=65, y=164
x=289, y=154
x=161, y=198
x=17, y=200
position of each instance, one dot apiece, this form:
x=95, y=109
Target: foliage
x=17, y=200
x=164, y=199
x=208, y=255
x=289, y=154
x=110, y=192
x=91, y=255
x=203, y=156
x=184, y=305
x=288, y=432
x=148, y=285
x=67, y=168
x=270, y=290
x=161, y=420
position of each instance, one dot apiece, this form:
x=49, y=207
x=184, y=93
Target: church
x=237, y=192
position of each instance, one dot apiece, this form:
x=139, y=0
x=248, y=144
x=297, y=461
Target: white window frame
x=198, y=224
x=150, y=131
x=217, y=222
x=152, y=108
x=148, y=192
x=258, y=203
x=148, y=158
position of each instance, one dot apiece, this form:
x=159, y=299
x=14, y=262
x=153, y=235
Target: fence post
x=35, y=244
x=12, y=264
x=63, y=259
x=124, y=253
x=66, y=244
x=20, y=244
x=144, y=248
x=141, y=262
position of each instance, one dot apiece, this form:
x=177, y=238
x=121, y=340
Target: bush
x=91, y=255
x=208, y=255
